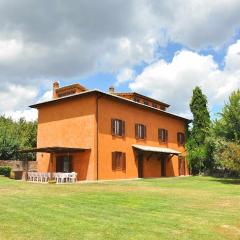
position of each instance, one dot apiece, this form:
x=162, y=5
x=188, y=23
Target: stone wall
x=18, y=165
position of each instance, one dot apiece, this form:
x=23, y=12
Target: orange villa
x=109, y=135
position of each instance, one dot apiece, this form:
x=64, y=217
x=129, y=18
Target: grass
x=167, y=208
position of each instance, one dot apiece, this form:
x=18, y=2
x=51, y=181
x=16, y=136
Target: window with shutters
x=180, y=138
x=145, y=102
x=118, y=161
x=118, y=127
x=162, y=135
x=140, y=131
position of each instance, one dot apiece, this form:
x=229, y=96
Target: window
x=162, y=135
x=145, y=102
x=118, y=161
x=118, y=127
x=154, y=105
x=140, y=131
x=180, y=138
x=136, y=100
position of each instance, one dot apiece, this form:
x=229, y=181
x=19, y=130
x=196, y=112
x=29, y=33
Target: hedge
x=5, y=171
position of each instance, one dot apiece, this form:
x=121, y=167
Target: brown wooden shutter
x=159, y=134
x=166, y=135
x=145, y=131
x=113, y=127
x=136, y=131
x=118, y=161
x=120, y=127
x=123, y=128
x=113, y=161
x=124, y=161
x=178, y=138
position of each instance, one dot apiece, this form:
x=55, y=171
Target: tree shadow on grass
x=235, y=181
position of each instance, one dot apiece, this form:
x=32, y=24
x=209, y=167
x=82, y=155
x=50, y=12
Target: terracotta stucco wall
x=69, y=123
x=72, y=123
x=109, y=109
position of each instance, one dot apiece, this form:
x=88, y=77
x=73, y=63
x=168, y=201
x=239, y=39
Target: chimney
x=55, y=87
x=111, y=89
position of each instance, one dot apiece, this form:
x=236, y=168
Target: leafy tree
x=196, y=145
x=8, y=139
x=15, y=135
x=226, y=151
x=227, y=155
x=228, y=126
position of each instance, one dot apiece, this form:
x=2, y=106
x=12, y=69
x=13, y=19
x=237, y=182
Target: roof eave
x=109, y=95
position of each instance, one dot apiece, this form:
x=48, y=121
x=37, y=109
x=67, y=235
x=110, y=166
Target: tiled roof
x=113, y=96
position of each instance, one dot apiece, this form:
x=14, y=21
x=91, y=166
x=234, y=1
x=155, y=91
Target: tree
x=15, y=135
x=227, y=132
x=8, y=139
x=196, y=145
x=227, y=155
x=228, y=126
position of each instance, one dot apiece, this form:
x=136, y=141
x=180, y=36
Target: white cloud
x=13, y=97
x=125, y=75
x=62, y=40
x=173, y=82
x=9, y=49
x=46, y=96
x=198, y=23
x=28, y=114
x=233, y=57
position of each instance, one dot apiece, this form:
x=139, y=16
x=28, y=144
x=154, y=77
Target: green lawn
x=167, y=208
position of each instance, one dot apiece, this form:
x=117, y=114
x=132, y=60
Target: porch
x=55, y=164
x=155, y=162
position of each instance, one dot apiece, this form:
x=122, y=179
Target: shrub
x=5, y=171
x=227, y=155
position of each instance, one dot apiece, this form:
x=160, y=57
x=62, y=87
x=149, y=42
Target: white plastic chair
x=64, y=177
x=35, y=176
x=58, y=177
x=44, y=177
x=30, y=176
x=73, y=177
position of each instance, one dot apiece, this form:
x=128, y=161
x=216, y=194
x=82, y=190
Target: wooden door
x=140, y=165
x=64, y=163
x=163, y=166
x=181, y=165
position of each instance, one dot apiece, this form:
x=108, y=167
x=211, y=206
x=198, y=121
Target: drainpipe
x=97, y=130
x=99, y=95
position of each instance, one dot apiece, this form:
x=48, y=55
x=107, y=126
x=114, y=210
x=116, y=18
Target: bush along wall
x=5, y=171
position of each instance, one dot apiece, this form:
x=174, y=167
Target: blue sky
x=102, y=80
x=159, y=48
